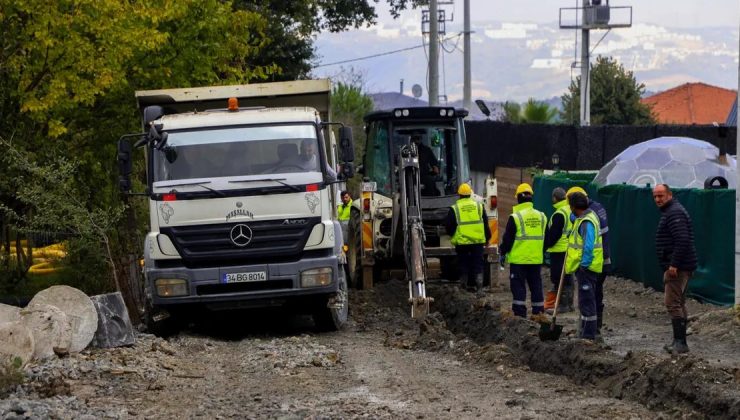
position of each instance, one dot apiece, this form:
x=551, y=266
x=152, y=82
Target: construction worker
x=556, y=243
x=522, y=246
x=344, y=211
x=600, y=211
x=467, y=224
x=585, y=258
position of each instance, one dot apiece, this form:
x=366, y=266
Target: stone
x=114, y=324
x=9, y=313
x=16, y=341
x=80, y=311
x=52, y=332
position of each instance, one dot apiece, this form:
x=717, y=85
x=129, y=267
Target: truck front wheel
x=332, y=314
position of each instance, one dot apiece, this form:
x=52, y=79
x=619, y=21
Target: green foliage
x=533, y=112
x=11, y=374
x=615, y=97
x=512, y=112
x=348, y=106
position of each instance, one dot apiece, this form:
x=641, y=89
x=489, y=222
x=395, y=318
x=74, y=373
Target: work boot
x=479, y=282
x=679, y=344
x=550, y=300
x=566, y=300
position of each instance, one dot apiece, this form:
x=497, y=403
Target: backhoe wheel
x=354, y=253
x=333, y=312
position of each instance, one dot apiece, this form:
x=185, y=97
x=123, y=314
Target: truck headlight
x=171, y=287
x=317, y=277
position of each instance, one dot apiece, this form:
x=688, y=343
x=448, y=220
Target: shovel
x=551, y=331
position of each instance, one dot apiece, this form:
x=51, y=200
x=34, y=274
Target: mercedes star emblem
x=241, y=235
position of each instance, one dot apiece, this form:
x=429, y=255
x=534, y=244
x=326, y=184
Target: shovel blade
x=550, y=332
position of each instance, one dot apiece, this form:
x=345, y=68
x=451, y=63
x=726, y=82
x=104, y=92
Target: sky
x=517, y=77
x=672, y=13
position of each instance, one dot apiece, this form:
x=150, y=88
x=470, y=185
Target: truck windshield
x=238, y=151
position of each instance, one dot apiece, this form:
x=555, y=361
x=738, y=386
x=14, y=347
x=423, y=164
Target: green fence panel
x=633, y=220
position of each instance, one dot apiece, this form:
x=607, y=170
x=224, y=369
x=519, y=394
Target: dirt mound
x=686, y=382
x=723, y=325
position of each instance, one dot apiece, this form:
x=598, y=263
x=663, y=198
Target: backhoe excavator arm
x=413, y=229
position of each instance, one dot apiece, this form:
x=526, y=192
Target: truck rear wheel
x=332, y=314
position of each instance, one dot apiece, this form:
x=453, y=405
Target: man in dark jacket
x=674, y=242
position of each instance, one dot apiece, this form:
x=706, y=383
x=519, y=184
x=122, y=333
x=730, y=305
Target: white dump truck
x=242, y=187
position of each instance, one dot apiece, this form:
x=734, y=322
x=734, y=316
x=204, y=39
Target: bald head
x=662, y=194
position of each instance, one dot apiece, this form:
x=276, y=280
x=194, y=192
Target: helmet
x=576, y=189
x=523, y=188
x=464, y=189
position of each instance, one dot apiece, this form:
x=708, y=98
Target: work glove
x=502, y=260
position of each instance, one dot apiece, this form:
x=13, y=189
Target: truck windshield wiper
x=200, y=184
x=278, y=180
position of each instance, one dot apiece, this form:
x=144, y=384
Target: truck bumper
x=207, y=287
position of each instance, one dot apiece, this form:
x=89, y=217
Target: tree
x=68, y=72
x=533, y=112
x=349, y=105
x=615, y=97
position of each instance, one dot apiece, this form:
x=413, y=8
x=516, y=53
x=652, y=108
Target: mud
x=685, y=382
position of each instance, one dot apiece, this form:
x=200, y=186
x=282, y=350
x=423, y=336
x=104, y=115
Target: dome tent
x=680, y=162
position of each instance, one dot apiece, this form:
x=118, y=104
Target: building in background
x=692, y=103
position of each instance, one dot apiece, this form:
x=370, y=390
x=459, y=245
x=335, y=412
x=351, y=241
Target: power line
x=382, y=54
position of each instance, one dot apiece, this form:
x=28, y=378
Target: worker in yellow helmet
x=556, y=243
x=522, y=245
x=600, y=212
x=467, y=224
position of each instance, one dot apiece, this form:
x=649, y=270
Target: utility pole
x=594, y=15
x=585, y=69
x=467, y=90
x=737, y=226
x=433, y=53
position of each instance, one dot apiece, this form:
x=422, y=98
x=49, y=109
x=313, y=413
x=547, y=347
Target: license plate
x=244, y=277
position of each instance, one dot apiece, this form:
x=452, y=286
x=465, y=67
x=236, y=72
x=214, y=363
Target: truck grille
x=212, y=244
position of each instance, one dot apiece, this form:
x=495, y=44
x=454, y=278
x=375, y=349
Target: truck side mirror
x=346, y=145
x=124, y=165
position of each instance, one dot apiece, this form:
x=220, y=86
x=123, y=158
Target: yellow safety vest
x=469, y=218
x=530, y=235
x=562, y=208
x=575, y=246
x=343, y=211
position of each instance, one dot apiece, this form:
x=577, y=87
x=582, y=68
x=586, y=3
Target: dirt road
x=469, y=360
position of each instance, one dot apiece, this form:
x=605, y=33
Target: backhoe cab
x=415, y=159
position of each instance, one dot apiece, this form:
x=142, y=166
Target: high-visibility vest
x=530, y=235
x=343, y=211
x=563, y=209
x=575, y=246
x=469, y=218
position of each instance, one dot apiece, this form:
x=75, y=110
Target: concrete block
x=51, y=330
x=9, y=313
x=16, y=341
x=79, y=309
x=114, y=324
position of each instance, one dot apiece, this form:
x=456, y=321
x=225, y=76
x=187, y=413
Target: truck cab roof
x=218, y=118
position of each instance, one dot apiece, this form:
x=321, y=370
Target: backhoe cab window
x=377, y=158
x=238, y=151
x=438, y=157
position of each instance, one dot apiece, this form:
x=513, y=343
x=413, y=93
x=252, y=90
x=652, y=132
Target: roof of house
x=732, y=116
x=692, y=103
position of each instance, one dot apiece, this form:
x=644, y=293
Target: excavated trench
x=658, y=382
